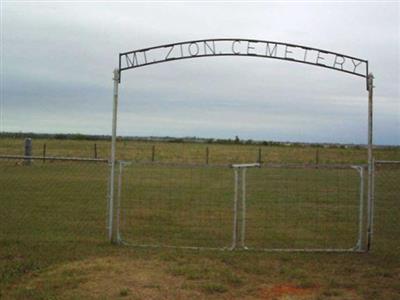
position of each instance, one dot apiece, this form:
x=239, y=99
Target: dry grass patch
x=104, y=278
x=126, y=277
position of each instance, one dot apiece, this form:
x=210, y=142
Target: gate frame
x=117, y=79
x=240, y=179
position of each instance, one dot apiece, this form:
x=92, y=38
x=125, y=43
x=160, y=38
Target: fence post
x=111, y=234
x=243, y=225
x=361, y=211
x=259, y=156
x=207, y=155
x=235, y=209
x=27, y=151
x=370, y=162
x=153, y=153
x=44, y=152
x=317, y=156
x=95, y=150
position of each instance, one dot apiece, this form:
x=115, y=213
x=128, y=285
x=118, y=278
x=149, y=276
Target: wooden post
x=95, y=150
x=27, y=151
x=44, y=152
x=317, y=156
x=207, y=155
x=153, y=153
x=259, y=156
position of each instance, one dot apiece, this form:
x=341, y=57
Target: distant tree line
x=57, y=136
x=170, y=139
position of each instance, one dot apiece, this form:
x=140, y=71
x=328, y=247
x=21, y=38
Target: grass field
x=53, y=242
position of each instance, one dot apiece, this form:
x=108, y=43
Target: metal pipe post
x=370, y=159
x=373, y=197
x=117, y=223
x=360, y=244
x=242, y=237
x=235, y=202
x=111, y=235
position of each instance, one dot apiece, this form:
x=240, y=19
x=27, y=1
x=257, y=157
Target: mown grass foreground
x=53, y=242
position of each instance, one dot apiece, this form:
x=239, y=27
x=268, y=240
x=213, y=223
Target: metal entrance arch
x=242, y=47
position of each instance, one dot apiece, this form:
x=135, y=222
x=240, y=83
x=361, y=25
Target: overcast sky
x=57, y=62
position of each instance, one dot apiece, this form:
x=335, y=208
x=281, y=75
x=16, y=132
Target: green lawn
x=53, y=237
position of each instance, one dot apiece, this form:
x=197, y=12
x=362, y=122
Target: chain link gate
x=174, y=205
x=304, y=208
x=243, y=206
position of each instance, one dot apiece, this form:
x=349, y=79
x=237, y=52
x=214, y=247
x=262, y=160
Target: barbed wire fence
x=199, y=153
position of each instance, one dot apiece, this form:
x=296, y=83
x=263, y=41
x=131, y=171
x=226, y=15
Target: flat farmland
x=53, y=220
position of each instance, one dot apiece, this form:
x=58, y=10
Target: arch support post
x=111, y=227
x=371, y=168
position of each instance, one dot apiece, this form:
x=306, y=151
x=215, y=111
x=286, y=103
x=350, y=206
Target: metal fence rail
x=51, y=158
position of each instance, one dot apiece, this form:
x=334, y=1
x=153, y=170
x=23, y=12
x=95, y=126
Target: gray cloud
x=58, y=59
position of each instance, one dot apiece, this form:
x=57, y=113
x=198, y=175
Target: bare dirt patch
x=288, y=292
x=293, y=292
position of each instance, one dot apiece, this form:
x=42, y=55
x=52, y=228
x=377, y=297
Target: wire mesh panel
x=176, y=205
x=387, y=207
x=294, y=207
x=55, y=200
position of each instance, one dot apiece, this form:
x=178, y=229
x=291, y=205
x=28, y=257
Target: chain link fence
x=386, y=231
x=274, y=207
x=59, y=199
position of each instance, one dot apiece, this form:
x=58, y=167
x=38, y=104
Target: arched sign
x=242, y=47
